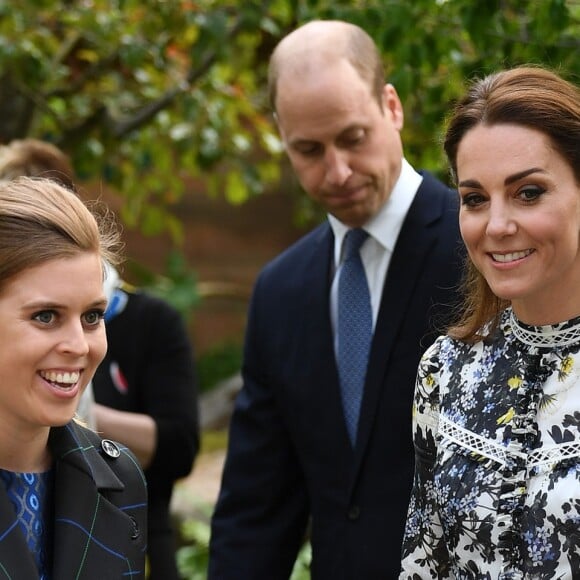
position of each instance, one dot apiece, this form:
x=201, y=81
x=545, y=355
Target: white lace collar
x=557, y=335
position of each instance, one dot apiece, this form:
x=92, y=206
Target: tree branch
x=122, y=127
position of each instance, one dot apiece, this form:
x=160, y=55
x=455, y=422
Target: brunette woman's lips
x=510, y=256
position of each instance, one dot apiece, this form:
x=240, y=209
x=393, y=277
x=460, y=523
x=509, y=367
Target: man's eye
x=45, y=317
x=352, y=138
x=355, y=139
x=308, y=150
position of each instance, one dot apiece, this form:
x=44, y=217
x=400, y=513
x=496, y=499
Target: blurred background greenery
x=162, y=102
x=146, y=95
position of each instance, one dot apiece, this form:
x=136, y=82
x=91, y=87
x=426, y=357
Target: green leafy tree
x=153, y=95
x=433, y=47
x=143, y=94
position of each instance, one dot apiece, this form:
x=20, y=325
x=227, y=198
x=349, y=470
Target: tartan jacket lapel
x=93, y=536
x=90, y=532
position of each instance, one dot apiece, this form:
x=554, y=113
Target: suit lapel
x=319, y=347
x=415, y=240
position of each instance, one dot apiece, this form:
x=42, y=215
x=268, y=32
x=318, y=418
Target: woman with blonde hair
x=71, y=505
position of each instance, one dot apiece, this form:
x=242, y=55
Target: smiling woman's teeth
x=61, y=378
x=511, y=257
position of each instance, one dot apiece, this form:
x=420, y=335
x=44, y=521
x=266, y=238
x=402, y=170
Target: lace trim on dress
x=556, y=335
x=489, y=449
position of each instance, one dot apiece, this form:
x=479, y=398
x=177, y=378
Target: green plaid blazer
x=100, y=506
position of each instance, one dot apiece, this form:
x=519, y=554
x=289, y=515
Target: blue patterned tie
x=355, y=328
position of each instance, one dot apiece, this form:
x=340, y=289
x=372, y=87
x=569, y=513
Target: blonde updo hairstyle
x=41, y=220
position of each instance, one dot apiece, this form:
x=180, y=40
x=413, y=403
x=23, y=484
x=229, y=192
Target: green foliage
x=143, y=94
x=151, y=95
x=214, y=440
x=177, y=284
x=301, y=569
x=193, y=557
x=219, y=363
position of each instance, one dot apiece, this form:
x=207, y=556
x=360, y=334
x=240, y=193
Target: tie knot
x=353, y=240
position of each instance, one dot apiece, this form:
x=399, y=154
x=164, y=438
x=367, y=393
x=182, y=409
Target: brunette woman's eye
x=472, y=199
x=531, y=192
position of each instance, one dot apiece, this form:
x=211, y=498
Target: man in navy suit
x=292, y=471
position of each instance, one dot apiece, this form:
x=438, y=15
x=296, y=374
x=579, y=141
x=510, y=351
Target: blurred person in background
x=146, y=396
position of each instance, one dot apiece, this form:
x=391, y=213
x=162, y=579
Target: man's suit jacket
x=289, y=457
x=99, y=524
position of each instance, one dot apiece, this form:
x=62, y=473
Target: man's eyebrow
x=301, y=141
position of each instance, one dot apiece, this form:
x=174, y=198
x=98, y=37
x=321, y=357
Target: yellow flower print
x=515, y=382
x=505, y=419
x=566, y=366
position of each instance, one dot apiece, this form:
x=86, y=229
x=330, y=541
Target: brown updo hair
x=529, y=96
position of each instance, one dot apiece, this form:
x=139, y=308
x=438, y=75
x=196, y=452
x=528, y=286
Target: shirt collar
x=385, y=226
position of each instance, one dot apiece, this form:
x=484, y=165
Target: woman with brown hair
x=497, y=400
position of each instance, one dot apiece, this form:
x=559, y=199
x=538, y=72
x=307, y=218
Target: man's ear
x=279, y=127
x=392, y=106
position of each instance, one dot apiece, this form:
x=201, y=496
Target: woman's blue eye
x=94, y=317
x=46, y=316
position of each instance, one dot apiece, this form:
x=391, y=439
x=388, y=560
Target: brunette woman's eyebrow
x=520, y=175
x=508, y=180
x=470, y=183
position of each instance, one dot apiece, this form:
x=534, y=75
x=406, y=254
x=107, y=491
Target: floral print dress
x=496, y=428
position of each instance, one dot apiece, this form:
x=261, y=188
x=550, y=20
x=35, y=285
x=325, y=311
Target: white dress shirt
x=376, y=251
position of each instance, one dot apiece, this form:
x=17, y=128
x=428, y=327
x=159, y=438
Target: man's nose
x=337, y=167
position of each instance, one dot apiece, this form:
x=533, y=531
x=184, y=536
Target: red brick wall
x=224, y=244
